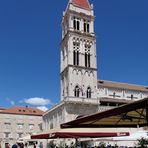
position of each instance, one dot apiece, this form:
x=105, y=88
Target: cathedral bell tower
x=78, y=52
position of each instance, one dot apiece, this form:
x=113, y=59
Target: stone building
x=81, y=92
x=17, y=122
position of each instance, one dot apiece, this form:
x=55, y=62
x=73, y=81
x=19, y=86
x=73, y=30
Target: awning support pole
x=76, y=142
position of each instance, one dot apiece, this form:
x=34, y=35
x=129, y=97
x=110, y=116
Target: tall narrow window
x=77, y=91
x=77, y=57
x=76, y=23
x=76, y=47
x=132, y=96
x=88, y=59
x=88, y=92
x=74, y=57
x=87, y=55
x=85, y=59
x=86, y=26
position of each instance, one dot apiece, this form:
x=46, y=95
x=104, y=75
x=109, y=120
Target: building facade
x=17, y=122
x=81, y=92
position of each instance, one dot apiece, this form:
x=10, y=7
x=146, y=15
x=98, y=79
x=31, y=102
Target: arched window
x=88, y=92
x=86, y=26
x=77, y=91
x=74, y=24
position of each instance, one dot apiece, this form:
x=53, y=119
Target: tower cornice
x=78, y=67
x=81, y=34
x=81, y=14
x=92, y=17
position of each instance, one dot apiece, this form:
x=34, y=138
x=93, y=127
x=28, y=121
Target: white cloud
x=43, y=108
x=11, y=101
x=38, y=101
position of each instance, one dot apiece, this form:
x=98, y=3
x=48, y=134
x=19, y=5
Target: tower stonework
x=78, y=52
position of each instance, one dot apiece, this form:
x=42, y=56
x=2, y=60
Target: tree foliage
x=142, y=143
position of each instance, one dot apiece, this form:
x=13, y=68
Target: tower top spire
x=81, y=3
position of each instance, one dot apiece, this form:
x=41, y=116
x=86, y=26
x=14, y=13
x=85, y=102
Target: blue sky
x=30, y=36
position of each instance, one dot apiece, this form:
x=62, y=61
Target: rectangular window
x=20, y=125
x=40, y=127
x=31, y=126
x=19, y=135
x=7, y=135
x=7, y=125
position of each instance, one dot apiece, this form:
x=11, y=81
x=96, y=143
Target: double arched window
x=87, y=55
x=88, y=93
x=76, y=47
x=76, y=23
x=77, y=91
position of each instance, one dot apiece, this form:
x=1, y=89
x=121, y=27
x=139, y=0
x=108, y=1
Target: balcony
x=82, y=100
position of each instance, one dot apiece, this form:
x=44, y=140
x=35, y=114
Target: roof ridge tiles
x=82, y=4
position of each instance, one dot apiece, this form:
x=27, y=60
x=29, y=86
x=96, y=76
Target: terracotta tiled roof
x=23, y=111
x=127, y=86
x=2, y=108
x=82, y=4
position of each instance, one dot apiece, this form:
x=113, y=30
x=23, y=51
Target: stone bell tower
x=78, y=52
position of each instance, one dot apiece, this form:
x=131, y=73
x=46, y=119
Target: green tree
x=142, y=143
x=102, y=145
x=51, y=144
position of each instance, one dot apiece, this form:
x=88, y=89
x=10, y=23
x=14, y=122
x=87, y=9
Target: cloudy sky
x=30, y=36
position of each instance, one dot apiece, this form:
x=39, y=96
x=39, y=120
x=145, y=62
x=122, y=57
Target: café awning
x=130, y=115
x=80, y=133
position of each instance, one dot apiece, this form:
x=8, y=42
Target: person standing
x=34, y=146
x=41, y=145
x=7, y=145
x=14, y=146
